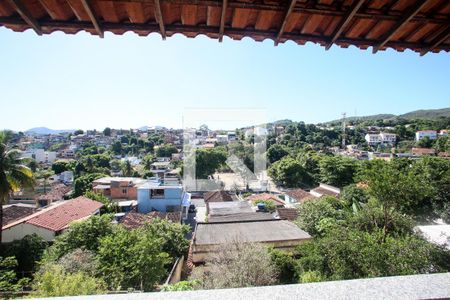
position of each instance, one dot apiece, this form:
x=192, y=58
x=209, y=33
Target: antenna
x=343, y=129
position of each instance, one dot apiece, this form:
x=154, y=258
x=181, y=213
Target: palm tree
x=14, y=174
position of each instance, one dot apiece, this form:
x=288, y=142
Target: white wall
x=19, y=231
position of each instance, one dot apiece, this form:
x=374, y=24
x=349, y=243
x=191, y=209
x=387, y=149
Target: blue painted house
x=154, y=195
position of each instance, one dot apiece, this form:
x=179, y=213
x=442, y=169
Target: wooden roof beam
x=87, y=6
x=26, y=15
x=283, y=25
x=222, y=19
x=159, y=19
x=403, y=21
x=344, y=22
x=439, y=40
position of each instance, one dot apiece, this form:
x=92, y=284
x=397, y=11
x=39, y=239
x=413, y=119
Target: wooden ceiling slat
x=88, y=7
x=408, y=16
x=285, y=19
x=222, y=20
x=344, y=22
x=439, y=40
x=26, y=15
x=159, y=19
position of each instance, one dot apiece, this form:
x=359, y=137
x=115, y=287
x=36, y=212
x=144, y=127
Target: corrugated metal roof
x=420, y=25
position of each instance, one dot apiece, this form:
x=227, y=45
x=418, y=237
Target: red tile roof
x=217, y=196
x=58, y=217
x=133, y=220
x=265, y=196
x=300, y=195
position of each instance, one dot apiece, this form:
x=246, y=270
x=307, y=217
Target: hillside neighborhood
x=94, y=200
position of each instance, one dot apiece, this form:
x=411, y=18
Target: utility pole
x=343, y=130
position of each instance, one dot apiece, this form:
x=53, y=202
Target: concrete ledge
x=431, y=286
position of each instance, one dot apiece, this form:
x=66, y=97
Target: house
x=431, y=134
x=118, y=188
x=57, y=192
x=222, y=138
x=51, y=221
x=231, y=136
x=325, y=190
x=159, y=168
x=41, y=156
x=133, y=219
x=155, y=195
x=444, y=132
x=14, y=212
x=266, y=197
x=297, y=196
x=235, y=211
x=374, y=139
x=290, y=214
x=216, y=196
x=423, y=151
x=210, y=237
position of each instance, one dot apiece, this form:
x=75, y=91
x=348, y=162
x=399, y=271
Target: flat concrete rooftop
x=255, y=231
x=431, y=286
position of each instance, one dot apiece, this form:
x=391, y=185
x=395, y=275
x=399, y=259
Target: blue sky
x=81, y=81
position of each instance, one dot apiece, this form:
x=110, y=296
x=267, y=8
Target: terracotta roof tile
x=300, y=195
x=133, y=220
x=217, y=196
x=58, y=217
x=265, y=196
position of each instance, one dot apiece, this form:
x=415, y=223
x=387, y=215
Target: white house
x=431, y=134
x=41, y=156
x=380, y=138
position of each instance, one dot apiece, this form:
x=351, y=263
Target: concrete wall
x=172, y=197
x=19, y=231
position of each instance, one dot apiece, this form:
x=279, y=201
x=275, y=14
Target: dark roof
x=406, y=24
x=299, y=195
x=133, y=220
x=57, y=192
x=57, y=217
x=245, y=216
x=15, y=212
x=217, y=196
x=289, y=214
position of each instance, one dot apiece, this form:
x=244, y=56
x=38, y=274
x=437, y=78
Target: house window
x=157, y=193
x=124, y=191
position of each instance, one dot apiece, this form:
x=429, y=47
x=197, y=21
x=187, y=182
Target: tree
x=237, y=265
x=347, y=253
x=27, y=251
x=127, y=169
x=354, y=196
x=8, y=281
x=60, y=166
x=289, y=173
x=132, y=259
x=317, y=216
x=108, y=205
x=78, y=132
x=107, y=131
x=14, y=174
x=79, y=260
x=336, y=170
x=425, y=142
x=84, y=235
x=276, y=152
x=166, y=150
x=55, y=282
x=117, y=148
x=83, y=183
x=208, y=161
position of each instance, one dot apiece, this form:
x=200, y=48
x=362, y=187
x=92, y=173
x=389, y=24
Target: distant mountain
x=45, y=130
x=429, y=114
